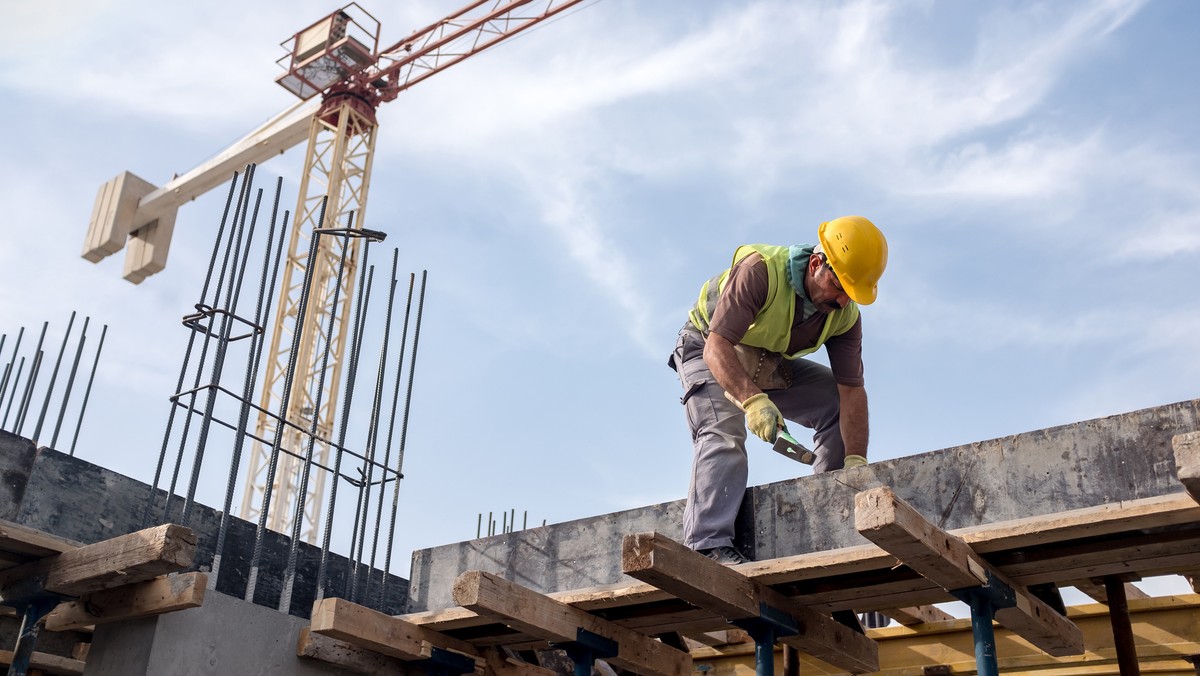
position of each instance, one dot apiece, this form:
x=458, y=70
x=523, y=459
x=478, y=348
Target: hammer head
x=785, y=444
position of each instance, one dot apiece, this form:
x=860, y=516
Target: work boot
x=725, y=555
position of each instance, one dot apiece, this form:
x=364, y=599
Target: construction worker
x=739, y=360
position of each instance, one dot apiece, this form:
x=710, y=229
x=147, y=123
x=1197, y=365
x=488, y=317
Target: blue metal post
x=586, y=649
x=34, y=611
x=770, y=624
x=984, y=601
x=982, y=614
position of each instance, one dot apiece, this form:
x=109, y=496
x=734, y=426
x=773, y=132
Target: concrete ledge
x=1084, y=464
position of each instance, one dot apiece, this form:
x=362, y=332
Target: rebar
x=37, y=430
x=285, y=596
x=364, y=283
x=88, y=392
x=412, y=367
x=16, y=381
x=235, y=235
x=19, y=423
x=62, y=411
x=251, y=378
x=373, y=435
x=232, y=295
x=284, y=400
x=187, y=354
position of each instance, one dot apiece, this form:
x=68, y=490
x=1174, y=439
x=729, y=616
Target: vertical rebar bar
x=412, y=367
x=62, y=411
x=239, y=221
x=289, y=576
x=364, y=283
x=232, y=295
x=387, y=448
x=33, y=369
x=284, y=400
x=16, y=381
x=358, y=498
x=8, y=368
x=27, y=396
x=187, y=354
x=257, y=340
x=373, y=436
x=392, y=425
x=37, y=429
x=87, y=393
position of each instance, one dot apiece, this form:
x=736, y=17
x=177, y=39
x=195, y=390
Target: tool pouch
x=763, y=367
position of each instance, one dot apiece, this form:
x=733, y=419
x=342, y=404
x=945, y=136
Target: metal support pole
x=982, y=613
x=1122, y=628
x=586, y=649
x=32, y=615
x=446, y=663
x=770, y=624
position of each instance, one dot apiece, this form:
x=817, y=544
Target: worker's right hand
x=763, y=417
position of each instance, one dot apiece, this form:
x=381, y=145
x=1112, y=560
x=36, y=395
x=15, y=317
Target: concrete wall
x=68, y=497
x=1122, y=457
x=224, y=636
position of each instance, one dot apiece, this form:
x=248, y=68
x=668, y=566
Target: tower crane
x=341, y=76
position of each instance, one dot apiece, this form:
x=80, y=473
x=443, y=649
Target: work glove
x=854, y=461
x=763, y=417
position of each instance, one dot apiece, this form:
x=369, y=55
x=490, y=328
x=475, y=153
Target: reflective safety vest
x=772, y=327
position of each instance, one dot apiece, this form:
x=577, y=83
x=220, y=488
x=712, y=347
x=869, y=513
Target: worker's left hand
x=854, y=461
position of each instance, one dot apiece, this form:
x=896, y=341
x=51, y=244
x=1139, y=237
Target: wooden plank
x=122, y=560
x=950, y=562
x=346, y=655
x=672, y=567
x=25, y=541
x=534, y=613
x=373, y=630
x=911, y=615
x=144, y=599
x=50, y=664
x=499, y=664
x=1096, y=590
x=1164, y=628
x=1187, y=461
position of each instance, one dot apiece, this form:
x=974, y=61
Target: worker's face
x=824, y=289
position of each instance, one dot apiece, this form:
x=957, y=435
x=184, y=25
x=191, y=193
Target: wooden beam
x=122, y=560
x=143, y=599
x=672, y=567
x=50, y=664
x=1165, y=630
x=861, y=577
x=373, y=630
x=346, y=655
x=911, y=615
x=950, y=562
x=499, y=664
x=1187, y=461
x=541, y=616
x=22, y=541
x=1095, y=589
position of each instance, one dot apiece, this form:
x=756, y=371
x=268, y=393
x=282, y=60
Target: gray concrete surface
x=225, y=636
x=62, y=495
x=1084, y=464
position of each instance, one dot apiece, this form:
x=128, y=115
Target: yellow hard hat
x=857, y=252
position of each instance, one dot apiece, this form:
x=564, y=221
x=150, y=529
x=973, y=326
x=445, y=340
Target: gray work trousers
x=719, y=466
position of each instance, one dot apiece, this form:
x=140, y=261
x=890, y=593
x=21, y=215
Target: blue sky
x=1033, y=164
